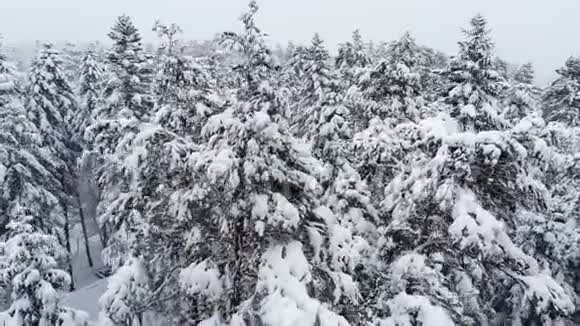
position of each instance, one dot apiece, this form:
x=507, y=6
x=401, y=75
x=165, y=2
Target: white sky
x=543, y=32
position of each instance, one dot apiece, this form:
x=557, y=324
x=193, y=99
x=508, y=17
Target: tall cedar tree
x=89, y=92
x=258, y=236
x=474, y=83
x=351, y=59
x=394, y=84
x=129, y=89
x=127, y=106
x=30, y=253
x=186, y=96
x=316, y=80
x=522, y=95
x=52, y=107
x=561, y=100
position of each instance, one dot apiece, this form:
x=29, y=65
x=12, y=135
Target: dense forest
x=230, y=182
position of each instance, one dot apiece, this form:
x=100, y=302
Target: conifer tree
x=431, y=63
x=143, y=168
x=260, y=244
x=394, y=84
x=351, y=58
x=89, y=92
x=522, y=96
x=145, y=248
x=560, y=109
x=474, y=84
x=25, y=181
x=15, y=122
x=72, y=58
x=17, y=129
x=30, y=253
x=561, y=101
x=316, y=81
x=501, y=66
x=29, y=262
x=23, y=176
x=52, y=108
x=384, y=109
x=126, y=109
x=129, y=87
x=347, y=197
x=525, y=74
x=378, y=52
x=454, y=211
x=185, y=94
x=290, y=77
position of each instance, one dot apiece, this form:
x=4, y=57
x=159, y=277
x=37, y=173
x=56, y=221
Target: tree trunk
x=103, y=235
x=67, y=226
x=68, y=246
x=84, y=227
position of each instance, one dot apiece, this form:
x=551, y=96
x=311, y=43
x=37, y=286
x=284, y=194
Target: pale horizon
x=523, y=31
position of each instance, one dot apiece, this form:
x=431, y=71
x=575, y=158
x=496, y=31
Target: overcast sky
x=543, y=32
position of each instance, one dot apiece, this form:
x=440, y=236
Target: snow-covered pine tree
x=474, y=84
x=127, y=106
x=378, y=52
x=145, y=248
x=384, y=136
x=348, y=198
x=457, y=208
x=552, y=236
x=561, y=111
x=380, y=150
x=15, y=123
x=16, y=180
x=30, y=262
x=257, y=239
x=522, y=96
x=561, y=100
x=52, y=108
x=290, y=77
x=314, y=73
x=351, y=59
x=72, y=58
x=30, y=253
x=218, y=61
x=384, y=109
x=394, y=84
x=185, y=92
x=454, y=208
x=525, y=74
x=501, y=66
x=251, y=70
x=89, y=92
x=143, y=162
x=431, y=65
x=297, y=61
x=51, y=105
x=129, y=88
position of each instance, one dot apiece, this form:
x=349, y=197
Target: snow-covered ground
x=87, y=298
x=88, y=286
x=83, y=274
